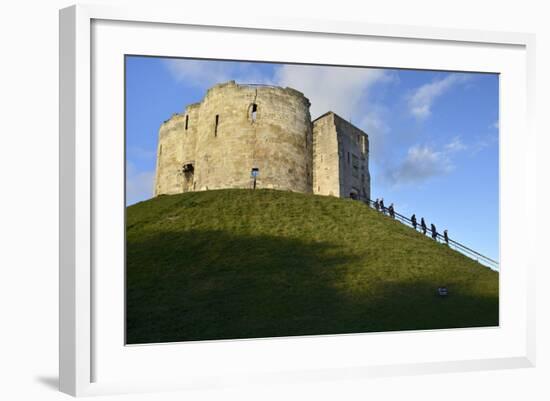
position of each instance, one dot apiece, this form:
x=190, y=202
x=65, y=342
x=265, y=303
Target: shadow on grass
x=204, y=285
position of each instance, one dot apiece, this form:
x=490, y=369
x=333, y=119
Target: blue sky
x=433, y=135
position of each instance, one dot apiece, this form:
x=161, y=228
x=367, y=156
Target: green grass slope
x=239, y=263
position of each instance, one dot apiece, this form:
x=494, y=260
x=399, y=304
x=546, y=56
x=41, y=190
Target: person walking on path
x=423, y=225
x=382, y=206
x=413, y=221
x=446, y=237
x=377, y=205
x=391, y=211
x=434, y=231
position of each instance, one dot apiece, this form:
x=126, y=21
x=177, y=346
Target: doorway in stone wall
x=354, y=194
x=188, y=171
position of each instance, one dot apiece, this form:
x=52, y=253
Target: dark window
x=348, y=157
x=186, y=121
x=253, y=112
x=355, y=165
x=216, y=125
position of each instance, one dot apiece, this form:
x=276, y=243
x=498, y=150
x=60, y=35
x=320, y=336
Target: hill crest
x=240, y=263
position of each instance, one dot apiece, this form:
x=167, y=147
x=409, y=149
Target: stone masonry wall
x=168, y=177
x=223, y=141
x=326, y=171
x=340, y=152
x=215, y=144
x=353, y=149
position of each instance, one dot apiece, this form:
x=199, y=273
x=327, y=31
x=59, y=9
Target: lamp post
x=254, y=174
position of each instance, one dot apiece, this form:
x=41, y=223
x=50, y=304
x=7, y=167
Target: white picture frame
x=86, y=327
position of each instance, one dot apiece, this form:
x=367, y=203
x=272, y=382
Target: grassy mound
x=239, y=263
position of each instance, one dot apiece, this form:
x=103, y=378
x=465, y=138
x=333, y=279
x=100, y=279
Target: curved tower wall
x=284, y=140
x=277, y=141
x=224, y=141
x=175, y=149
x=168, y=178
x=216, y=143
x=224, y=153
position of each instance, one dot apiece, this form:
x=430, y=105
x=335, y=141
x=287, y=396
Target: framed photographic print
x=290, y=200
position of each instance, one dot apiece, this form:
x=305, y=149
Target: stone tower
x=340, y=158
x=236, y=129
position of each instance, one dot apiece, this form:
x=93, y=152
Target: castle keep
x=238, y=131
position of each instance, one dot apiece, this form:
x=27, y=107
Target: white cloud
x=424, y=162
x=420, y=164
x=456, y=145
x=337, y=89
x=204, y=73
x=420, y=102
x=139, y=184
x=374, y=123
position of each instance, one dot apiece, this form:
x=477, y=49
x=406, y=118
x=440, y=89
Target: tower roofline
x=257, y=86
x=324, y=115
x=339, y=117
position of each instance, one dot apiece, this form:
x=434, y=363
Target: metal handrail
x=457, y=246
x=262, y=85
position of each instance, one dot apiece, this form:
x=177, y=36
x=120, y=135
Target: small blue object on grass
x=442, y=291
